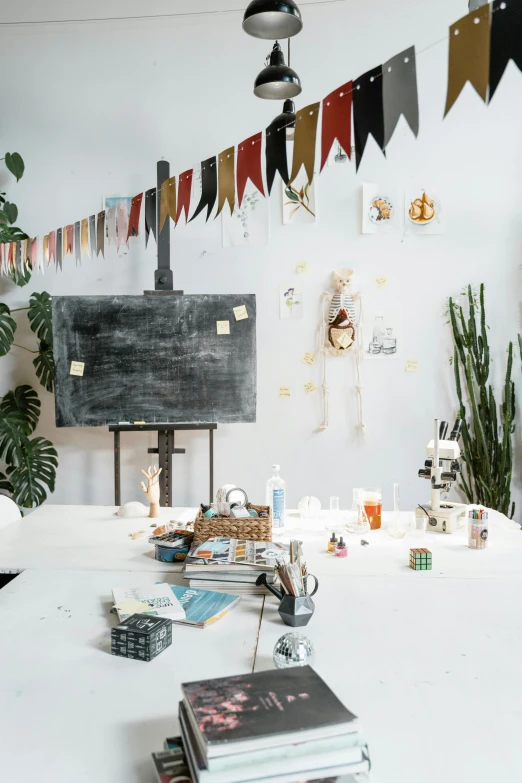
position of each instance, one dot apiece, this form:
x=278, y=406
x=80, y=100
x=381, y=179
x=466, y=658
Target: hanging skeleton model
x=341, y=333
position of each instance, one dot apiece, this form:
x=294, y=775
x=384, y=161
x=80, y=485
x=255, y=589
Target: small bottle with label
x=341, y=549
x=276, y=497
x=332, y=543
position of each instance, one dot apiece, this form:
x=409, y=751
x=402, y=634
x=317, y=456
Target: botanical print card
x=423, y=212
x=379, y=209
x=248, y=225
x=290, y=304
x=299, y=200
x=338, y=155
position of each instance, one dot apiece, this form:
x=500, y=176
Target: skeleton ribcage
x=340, y=302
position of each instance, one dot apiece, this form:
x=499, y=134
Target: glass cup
x=334, y=509
x=372, y=501
x=357, y=521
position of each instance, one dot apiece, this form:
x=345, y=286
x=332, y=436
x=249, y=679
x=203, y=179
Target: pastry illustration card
x=379, y=209
x=423, y=212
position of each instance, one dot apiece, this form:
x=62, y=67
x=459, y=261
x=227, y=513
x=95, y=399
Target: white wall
x=91, y=107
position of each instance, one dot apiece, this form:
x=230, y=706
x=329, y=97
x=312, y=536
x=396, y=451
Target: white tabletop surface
x=428, y=660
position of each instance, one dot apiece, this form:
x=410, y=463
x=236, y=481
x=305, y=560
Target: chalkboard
x=154, y=359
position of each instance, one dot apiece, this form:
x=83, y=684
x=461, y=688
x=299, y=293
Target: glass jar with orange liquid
x=372, y=501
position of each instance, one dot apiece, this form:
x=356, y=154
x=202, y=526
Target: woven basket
x=248, y=528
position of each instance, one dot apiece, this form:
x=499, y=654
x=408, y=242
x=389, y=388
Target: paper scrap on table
x=412, y=365
x=302, y=267
x=132, y=607
x=223, y=327
x=240, y=313
x=310, y=387
x=345, y=340
x=309, y=358
x=77, y=368
x=284, y=392
x=137, y=534
x=382, y=282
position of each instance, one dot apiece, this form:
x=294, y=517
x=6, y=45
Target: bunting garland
x=337, y=121
x=481, y=44
x=249, y=165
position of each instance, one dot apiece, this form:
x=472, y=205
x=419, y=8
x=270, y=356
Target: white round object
x=9, y=511
x=309, y=506
x=133, y=509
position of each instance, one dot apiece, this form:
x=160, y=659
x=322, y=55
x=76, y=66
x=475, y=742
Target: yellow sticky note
x=223, y=327
x=302, y=267
x=382, y=282
x=310, y=387
x=284, y=392
x=344, y=340
x=411, y=365
x=77, y=369
x=309, y=358
x=240, y=313
x=131, y=607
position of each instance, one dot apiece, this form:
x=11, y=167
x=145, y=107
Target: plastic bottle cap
x=276, y=467
x=341, y=543
x=333, y=538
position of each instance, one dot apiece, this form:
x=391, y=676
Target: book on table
x=203, y=607
x=284, y=725
x=155, y=599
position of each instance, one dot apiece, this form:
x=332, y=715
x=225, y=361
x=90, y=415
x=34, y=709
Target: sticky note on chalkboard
x=240, y=313
x=223, y=327
x=302, y=267
x=382, y=282
x=284, y=392
x=77, y=369
x=309, y=358
x=310, y=387
x=412, y=365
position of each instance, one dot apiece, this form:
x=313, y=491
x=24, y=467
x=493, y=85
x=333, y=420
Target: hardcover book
x=264, y=709
x=203, y=607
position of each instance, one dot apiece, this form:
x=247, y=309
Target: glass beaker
x=358, y=519
x=372, y=501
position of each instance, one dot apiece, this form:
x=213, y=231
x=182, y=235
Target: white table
x=428, y=660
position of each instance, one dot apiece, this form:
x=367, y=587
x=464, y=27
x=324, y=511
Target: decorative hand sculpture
x=152, y=490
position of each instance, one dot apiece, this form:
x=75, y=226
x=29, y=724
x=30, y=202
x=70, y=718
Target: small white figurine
x=341, y=333
x=152, y=490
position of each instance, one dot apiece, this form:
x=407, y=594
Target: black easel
x=163, y=286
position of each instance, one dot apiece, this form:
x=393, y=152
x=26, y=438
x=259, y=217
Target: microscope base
x=448, y=519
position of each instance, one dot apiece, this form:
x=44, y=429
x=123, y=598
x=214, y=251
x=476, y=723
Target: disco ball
x=293, y=649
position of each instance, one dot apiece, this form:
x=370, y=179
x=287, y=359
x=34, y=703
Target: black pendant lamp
x=277, y=81
x=286, y=120
x=272, y=19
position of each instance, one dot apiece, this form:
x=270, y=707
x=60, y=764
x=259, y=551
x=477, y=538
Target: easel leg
x=211, y=466
x=117, y=477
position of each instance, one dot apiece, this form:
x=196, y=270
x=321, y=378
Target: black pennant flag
x=275, y=151
x=150, y=214
x=59, y=249
x=506, y=40
x=368, y=111
x=399, y=92
x=209, y=186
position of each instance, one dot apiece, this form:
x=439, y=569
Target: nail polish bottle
x=341, y=549
x=332, y=543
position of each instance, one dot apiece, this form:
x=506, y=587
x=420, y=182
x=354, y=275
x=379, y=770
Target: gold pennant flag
x=304, y=142
x=46, y=247
x=167, y=201
x=226, y=180
x=469, y=48
x=85, y=236
x=64, y=241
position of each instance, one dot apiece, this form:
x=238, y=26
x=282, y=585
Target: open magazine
x=256, y=555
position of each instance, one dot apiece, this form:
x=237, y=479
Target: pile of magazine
x=284, y=725
x=233, y=565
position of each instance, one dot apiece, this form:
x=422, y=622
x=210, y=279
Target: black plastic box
x=141, y=636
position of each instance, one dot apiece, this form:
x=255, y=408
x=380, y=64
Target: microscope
x=441, y=469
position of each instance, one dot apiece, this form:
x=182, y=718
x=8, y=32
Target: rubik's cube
x=420, y=559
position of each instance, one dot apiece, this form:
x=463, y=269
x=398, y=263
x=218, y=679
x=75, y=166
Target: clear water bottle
x=276, y=497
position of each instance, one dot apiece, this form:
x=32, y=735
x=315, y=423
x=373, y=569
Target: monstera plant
x=30, y=463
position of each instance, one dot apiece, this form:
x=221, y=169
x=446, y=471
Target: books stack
x=284, y=725
x=233, y=565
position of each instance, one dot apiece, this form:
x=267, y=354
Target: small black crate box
x=141, y=636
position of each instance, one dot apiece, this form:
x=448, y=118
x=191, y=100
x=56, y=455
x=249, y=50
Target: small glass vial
x=332, y=543
x=341, y=549
x=477, y=529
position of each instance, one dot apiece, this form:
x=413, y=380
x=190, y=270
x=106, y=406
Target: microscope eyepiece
x=457, y=427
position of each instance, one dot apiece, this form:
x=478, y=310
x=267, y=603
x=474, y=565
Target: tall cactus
x=487, y=430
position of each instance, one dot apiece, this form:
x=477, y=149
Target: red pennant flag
x=249, y=165
x=337, y=121
x=134, y=217
x=184, y=193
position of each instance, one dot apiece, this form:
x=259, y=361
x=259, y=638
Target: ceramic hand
x=152, y=490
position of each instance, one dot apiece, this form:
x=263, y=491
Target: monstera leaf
x=44, y=366
x=11, y=437
x=7, y=329
x=5, y=484
x=35, y=474
x=41, y=317
x=20, y=278
x=22, y=406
